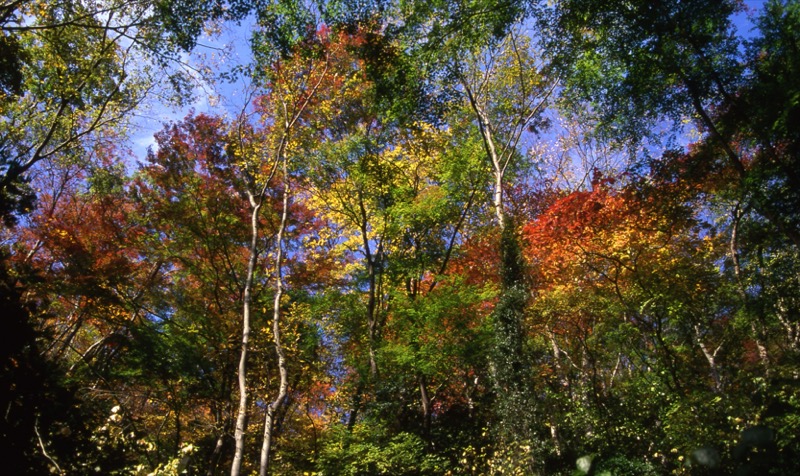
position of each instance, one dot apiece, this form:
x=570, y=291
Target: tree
x=635, y=66
x=736, y=94
x=628, y=295
x=507, y=96
x=293, y=89
x=192, y=205
x=194, y=193
x=71, y=73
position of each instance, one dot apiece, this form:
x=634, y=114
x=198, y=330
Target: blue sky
x=221, y=51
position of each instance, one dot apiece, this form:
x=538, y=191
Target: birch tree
x=507, y=95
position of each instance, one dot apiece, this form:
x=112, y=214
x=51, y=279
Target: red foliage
x=478, y=260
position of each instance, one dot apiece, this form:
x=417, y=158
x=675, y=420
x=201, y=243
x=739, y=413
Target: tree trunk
x=241, y=419
x=275, y=405
x=498, y=168
x=426, y=406
x=372, y=321
x=737, y=270
x=212, y=465
x=711, y=358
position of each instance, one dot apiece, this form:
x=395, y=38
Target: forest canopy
x=435, y=238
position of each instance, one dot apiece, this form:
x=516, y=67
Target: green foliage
x=514, y=457
x=445, y=26
x=614, y=466
x=284, y=24
x=69, y=77
x=508, y=358
x=369, y=449
x=768, y=101
x=10, y=67
x=16, y=196
x=774, y=76
x=635, y=63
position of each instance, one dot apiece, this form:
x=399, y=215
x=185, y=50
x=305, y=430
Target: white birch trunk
x=275, y=405
x=241, y=418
